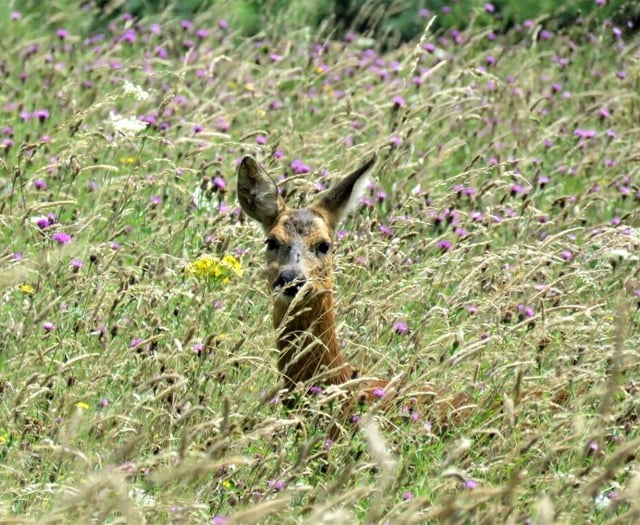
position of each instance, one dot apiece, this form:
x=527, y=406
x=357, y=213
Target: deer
x=299, y=267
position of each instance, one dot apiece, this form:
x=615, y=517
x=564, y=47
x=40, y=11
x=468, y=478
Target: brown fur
x=307, y=339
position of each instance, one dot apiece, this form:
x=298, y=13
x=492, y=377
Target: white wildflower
x=201, y=201
x=126, y=126
x=137, y=92
x=602, y=501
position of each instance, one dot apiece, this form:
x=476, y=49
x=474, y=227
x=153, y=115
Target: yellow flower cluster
x=27, y=289
x=216, y=269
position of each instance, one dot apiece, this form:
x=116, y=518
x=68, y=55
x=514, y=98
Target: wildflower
x=48, y=326
x=62, y=34
x=315, y=390
x=489, y=7
x=135, y=342
x=26, y=289
x=136, y=91
x=406, y=496
x=566, y=255
x=41, y=114
x=378, y=393
x=61, y=238
x=386, y=231
x=525, y=312
x=444, y=246
x=222, y=124
x=218, y=270
x=128, y=127
x=401, y=328
x=276, y=485
x=398, y=101
x=82, y=405
x=300, y=167
x=219, y=184
x=40, y=184
x=470, y=484
x=219, y=520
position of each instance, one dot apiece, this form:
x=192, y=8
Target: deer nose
x=290, y=282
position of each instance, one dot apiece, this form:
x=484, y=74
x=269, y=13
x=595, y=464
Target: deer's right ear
x=258, y=193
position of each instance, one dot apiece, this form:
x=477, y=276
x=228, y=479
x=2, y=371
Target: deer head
x=299, y=249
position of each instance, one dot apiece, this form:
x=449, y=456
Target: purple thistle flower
x=470, y=484
x=220, y=184
x=406, y=496
x=222, y=124
x=566, y=255
x=300, y=167
x=386, y=231
x=399, y=101
x=401, y=328
x=276, y=485
x=219, y=520
x=41, y=114
x=545, y=34
x=61, y=238
x=135, y=342
x=62, y=34
x=76, y=264
x=40, y=184
x=489, y=7
x=48, y=326
x=378, y=393
x=444, y=245
x=525, y=311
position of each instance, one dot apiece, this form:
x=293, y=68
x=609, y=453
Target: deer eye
x=272, y=244
x=323, y=247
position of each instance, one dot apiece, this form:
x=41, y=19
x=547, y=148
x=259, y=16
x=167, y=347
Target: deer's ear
x=341, y=198
x=258, y=193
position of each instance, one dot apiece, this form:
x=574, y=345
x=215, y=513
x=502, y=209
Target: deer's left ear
x=343, y=196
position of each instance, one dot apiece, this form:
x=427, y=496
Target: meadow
x=494, y=253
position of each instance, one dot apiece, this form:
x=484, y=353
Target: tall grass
x=495, y=255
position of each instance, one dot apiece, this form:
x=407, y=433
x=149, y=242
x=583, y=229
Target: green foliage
x=490, y=268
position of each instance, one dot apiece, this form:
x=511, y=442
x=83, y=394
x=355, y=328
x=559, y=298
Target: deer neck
x=308, y=342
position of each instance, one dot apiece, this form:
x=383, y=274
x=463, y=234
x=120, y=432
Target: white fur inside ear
x=356, y=194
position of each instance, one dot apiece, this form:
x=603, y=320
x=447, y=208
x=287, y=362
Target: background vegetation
x=494, y=254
